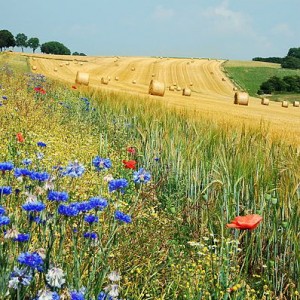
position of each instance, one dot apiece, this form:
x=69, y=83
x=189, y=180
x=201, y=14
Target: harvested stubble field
x=210, y=94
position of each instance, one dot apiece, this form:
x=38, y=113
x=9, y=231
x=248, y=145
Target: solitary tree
x=55, y=48
x=6, y=39
x=21, y=41
x=33, y=43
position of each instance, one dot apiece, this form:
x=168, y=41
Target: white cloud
x=225, y=19
x=283, y=29
x=162, y=14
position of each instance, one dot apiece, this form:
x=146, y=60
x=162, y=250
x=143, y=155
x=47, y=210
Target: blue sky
x=232, y=29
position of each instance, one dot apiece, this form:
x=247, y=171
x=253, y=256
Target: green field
x=250, y=75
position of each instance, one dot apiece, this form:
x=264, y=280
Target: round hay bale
x=241, y=98
x=186, y=92
x=265, y=101
x=61, y=65
x=156, y=88
x=134, y=81
x=178, y=88
x=174, y=83
x=296, y=103
x=33, y=58
x=285, y=104
x=67, y=63
x=235, y=89
x=171, y=88
x=153, y=75
x=34, y=68
x=104, y=80
x=81, y=63
x=82, y=78
x=223, y=79
x=116, y=78
x=191, y=83
x=188, y=63
x=133, y=69
x=55, y=69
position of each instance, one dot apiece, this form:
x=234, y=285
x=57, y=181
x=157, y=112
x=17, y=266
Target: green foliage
x=276, y=60
x=294, y=52
x=79, y=54
x=54, y=47
x=285, y=84
x=21, y=41
x=33, y=43
x=291, y=62
x=6, y=39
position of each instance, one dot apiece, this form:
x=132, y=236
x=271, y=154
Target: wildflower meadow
x=112, y=196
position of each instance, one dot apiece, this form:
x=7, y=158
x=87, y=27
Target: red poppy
x=131, y=150
x=20, y=137
x=74, y=87
x=129, y=164
x=40, y=90
x=245, y=222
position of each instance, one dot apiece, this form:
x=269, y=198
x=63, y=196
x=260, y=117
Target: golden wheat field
x=211, y=91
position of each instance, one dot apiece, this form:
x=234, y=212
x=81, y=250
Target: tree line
x=289, y=84
x=290, y=61
x=7, y=40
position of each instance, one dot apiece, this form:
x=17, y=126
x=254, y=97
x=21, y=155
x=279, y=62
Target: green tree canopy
x=33, y=43
x=79, y=54
x=21, y=41
x=54, y=47
x=291, y=62
x=295, y=52
x=6, y=39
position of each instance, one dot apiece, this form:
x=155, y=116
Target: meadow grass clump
x=103, y=194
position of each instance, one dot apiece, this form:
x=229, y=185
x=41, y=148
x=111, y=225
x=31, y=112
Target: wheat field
x=212, y=91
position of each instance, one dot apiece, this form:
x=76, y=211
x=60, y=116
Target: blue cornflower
x=91, y=219
x=40, y=176
x=33, y=206
x=27, y=161
x=58, y=196
x=22, y=237
x=20, y=276
x=90, y=235
x=6, y=166
x=122, y=217
x=101, y=163
x=41, y=144
x=36, y=219
x=117, y=184
x=5, y=190
x=4, y=97
x=141, y=176
x=22, y=172
x=84, y=206
x=70, y=210
x=32, y=260
x=74, y=169
x=76, y=295
x=4, y=220
x=2, y=210
x=104, y=296
x=98, y=203
x=157, y=159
